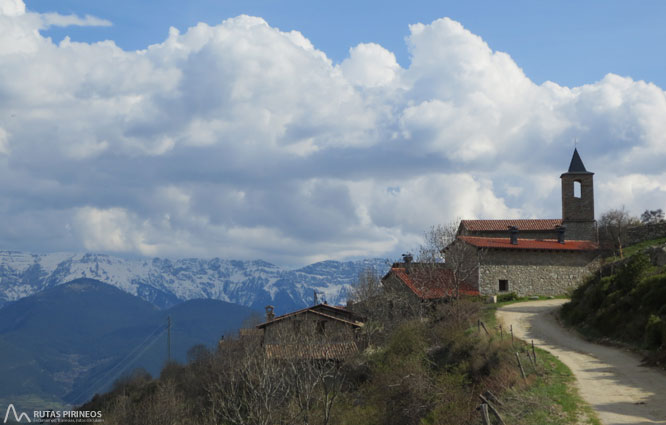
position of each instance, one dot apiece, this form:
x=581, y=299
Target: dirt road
x=611, y=380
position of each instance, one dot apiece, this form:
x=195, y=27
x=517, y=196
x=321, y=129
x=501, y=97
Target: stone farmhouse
x=321, y=332
x=537, y=256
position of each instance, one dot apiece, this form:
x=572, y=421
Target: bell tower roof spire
x=576, y=165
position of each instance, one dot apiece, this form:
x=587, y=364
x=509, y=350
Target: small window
x=503, y=285
x=576, y=189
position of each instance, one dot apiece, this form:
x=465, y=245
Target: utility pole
x=169, y=339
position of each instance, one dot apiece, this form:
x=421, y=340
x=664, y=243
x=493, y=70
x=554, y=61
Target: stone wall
x=581, y=230
x=656, y=254
x=535, y=272
x=576, y=230
x=581, y=208
x=548, y=234
x=645, y=233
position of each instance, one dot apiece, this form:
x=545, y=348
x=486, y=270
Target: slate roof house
x=538, y=256
x=321, y=332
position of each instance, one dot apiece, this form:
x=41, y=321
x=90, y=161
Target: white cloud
x=636, y=191
x=241, y=140
x=111, y=229
x=12, y=7
x=370, y=65
x=58, y=20
x=417, y=203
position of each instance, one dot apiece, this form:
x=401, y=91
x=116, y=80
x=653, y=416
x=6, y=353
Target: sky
x=295, y=133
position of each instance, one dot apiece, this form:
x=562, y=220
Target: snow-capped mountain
x=166, y=282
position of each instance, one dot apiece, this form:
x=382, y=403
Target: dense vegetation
x=627, y=305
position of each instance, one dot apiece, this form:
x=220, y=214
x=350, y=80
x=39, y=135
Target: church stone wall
x=546, y=234
x=534, y=272
x=581, y=230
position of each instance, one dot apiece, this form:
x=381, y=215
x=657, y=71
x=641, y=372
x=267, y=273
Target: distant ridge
x=72, y=340
x=165, y=283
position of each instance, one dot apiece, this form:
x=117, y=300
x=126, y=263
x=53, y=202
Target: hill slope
x=66, y=342
x=627, y=304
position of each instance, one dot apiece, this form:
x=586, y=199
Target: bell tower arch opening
x=576, y=188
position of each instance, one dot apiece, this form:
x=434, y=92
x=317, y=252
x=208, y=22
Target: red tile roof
x=521, y=224
x=547, y=244
x=429, y=281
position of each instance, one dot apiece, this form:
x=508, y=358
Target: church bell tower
x=578, y=201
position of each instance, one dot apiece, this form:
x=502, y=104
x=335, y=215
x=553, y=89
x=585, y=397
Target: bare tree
x=613, y=227
x=368, y=287
x=442, y=246
x=293, y=380
x=384, y=306
x=247, y=387
x=315, y=381
x=368, y=298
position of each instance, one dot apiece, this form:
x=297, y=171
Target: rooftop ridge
x=536, y=224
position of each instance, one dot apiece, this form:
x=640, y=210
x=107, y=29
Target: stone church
x=537, y=256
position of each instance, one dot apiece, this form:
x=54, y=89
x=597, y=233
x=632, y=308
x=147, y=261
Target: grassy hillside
x=628, y=305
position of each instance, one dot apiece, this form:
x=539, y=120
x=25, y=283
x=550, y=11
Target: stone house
x=319, y=332
x=424, y=282
x=537, y=256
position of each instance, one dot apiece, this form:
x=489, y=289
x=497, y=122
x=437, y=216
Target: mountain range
x=70, y=324
x=165, y=283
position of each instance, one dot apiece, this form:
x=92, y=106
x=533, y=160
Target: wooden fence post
x=520, y=364
x=492, y=409
x=484, y=414
x=532, y=361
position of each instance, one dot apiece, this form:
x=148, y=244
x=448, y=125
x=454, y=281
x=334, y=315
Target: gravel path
x=610, y=379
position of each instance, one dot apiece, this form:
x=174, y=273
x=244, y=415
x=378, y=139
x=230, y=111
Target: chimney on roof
x=560, y=233
x=407, y=259
x=269, y=313
x=513, y=234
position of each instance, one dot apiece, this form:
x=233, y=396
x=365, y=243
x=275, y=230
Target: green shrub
x=653, y=290
x=655, y=332
x=409, y=339
x=507, y=297
x=631, y=273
